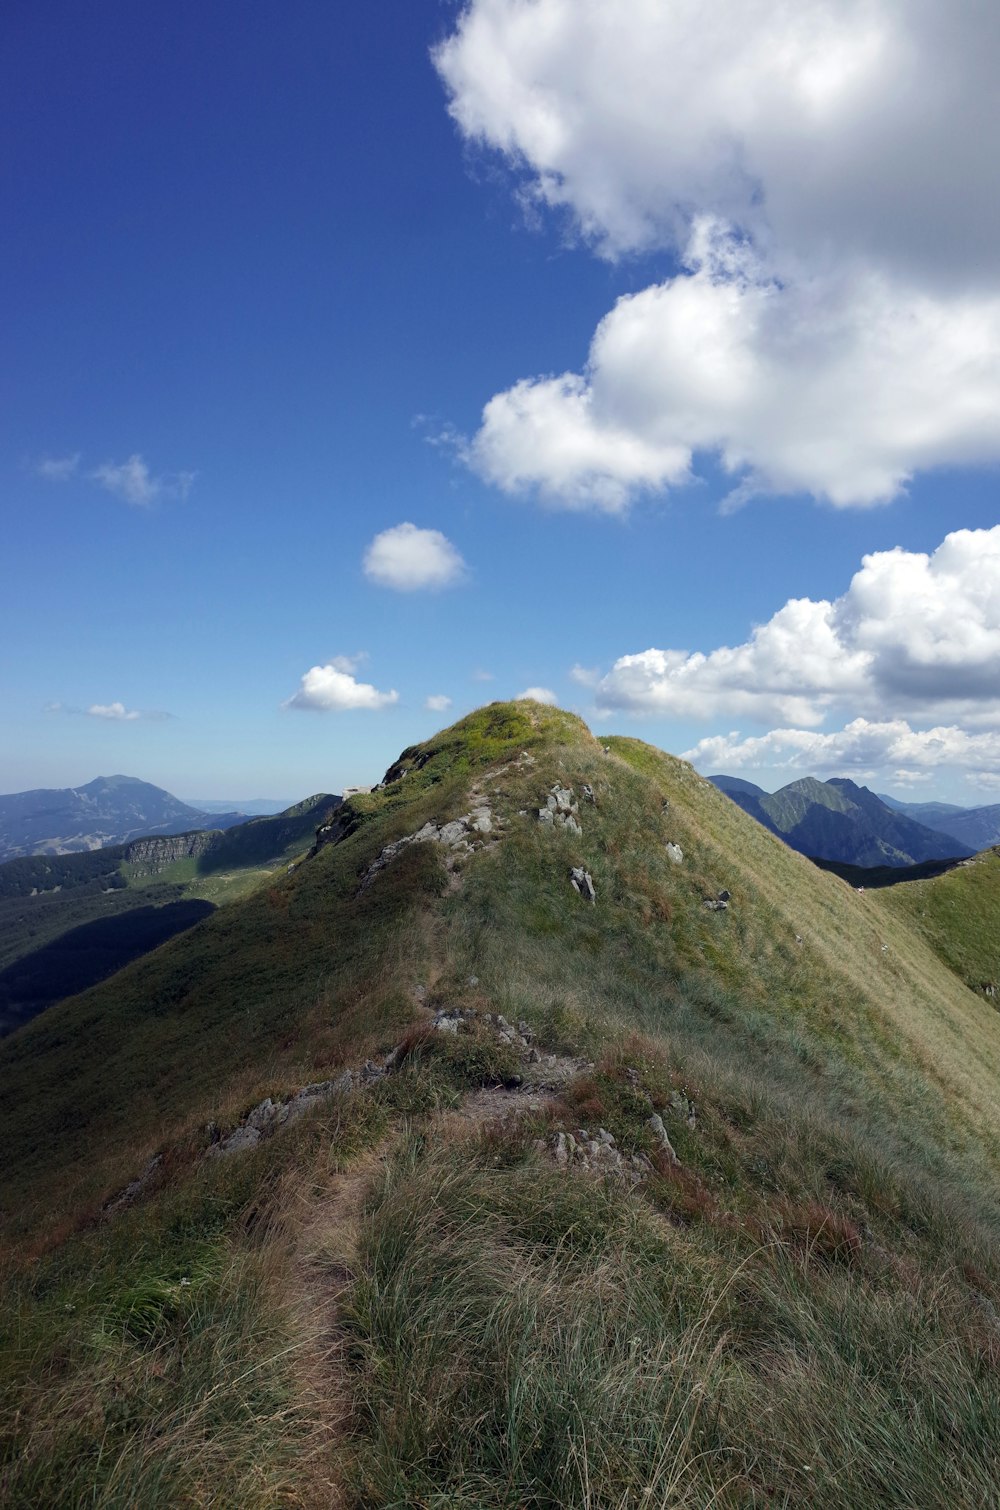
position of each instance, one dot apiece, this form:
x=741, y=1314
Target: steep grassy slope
x=404, y=1299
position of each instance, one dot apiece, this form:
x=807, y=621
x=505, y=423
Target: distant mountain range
x=254, y=807
x=110, y=810
x=839, y=820
x=978, y=826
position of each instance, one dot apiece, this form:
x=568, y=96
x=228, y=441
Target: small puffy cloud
x=862, y=746
x=537, y=695
x=438, y=702
x=333, y=689
x=133, y=481
x=479, y=675
x=58, y=468
x=915, y=634
x=113, y=711
x=409, y=559
x=117, y=713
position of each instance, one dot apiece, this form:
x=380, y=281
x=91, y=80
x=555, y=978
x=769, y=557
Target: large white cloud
x=915, y=634
x=333, y=688
x=842, y=387
x=826, y=173
x=407, y=559
x=859, y=125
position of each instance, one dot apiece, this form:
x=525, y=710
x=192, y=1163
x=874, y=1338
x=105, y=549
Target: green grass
x=958, y=915
x=804, y=1311
x=540, y=1340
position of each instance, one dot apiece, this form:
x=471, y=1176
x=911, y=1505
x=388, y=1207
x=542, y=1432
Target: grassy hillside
x=415, y=1296
x=959, y=916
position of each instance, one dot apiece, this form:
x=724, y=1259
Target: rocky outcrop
x=596, y=1153
x=719, y=903
x=582, y=883
x=458, y=837
x=268, y=1116
x=560, y=810
x=150, y=856
x=343, y=823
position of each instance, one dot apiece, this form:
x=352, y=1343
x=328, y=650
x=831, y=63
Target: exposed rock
x=344, y=822
x=594, y=1154
x=237, y=1142
x=135, y=1187
x=660, y=1138
x=310, y=1095
x=682, y=1106
x=459, y=836
x=715, y=904
x=560, y=810
x=583, y=883
x=451, y=833
x=268, y=1116
x=150, y=856
x=588, y=793
x=675, y=854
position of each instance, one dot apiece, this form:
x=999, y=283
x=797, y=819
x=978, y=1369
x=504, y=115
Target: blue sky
x=264, y=268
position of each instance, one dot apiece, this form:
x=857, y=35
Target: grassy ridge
x=804, y=1311
x=959, y=916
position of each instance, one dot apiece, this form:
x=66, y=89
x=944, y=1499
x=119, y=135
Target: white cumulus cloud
x=408, y=559
x=915, y=634
x=438, y=702
x=825, y=174
x=333, y=688
x=537, y=695
x=840, y=386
